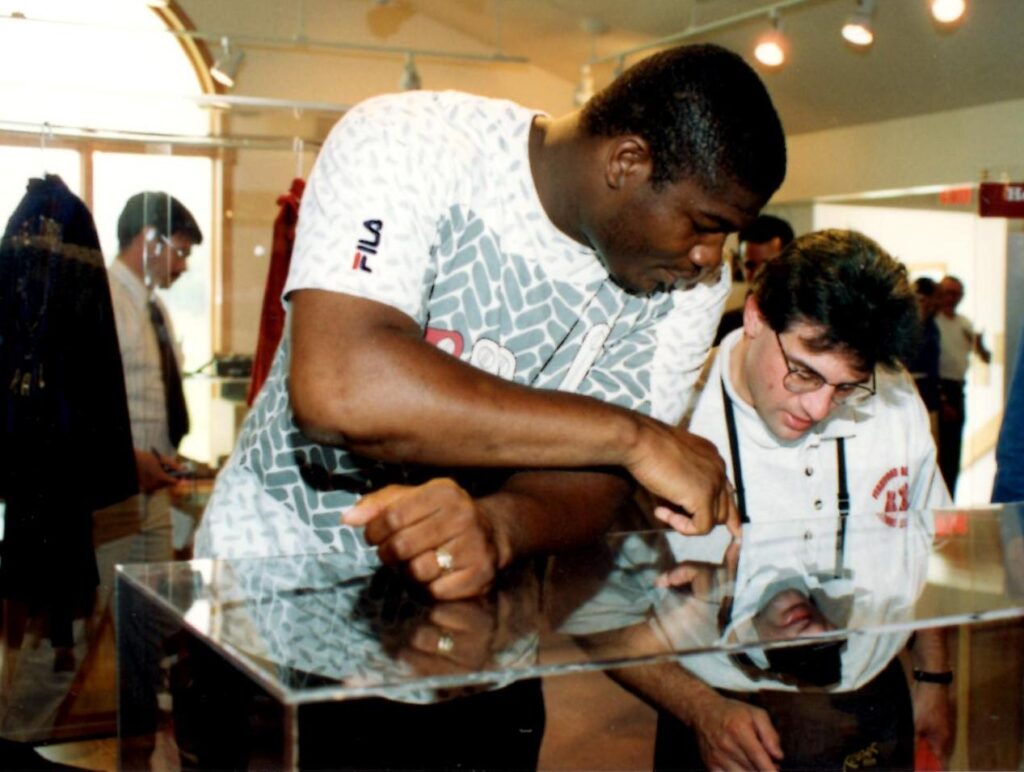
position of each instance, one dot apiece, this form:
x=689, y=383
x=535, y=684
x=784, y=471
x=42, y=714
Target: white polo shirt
x=791, y=487
x=956, y=339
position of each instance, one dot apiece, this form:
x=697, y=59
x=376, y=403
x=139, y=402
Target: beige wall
x=255, y=178
x=935, y=149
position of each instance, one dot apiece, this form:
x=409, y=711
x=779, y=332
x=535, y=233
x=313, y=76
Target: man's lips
x=798, y=424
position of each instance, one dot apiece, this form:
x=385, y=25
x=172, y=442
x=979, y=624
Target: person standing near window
x=957, y=339
x=155, y=233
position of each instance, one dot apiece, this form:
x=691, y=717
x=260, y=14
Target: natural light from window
x=52, y=72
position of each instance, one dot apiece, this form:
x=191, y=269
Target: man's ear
x=753, y=319
x=628, y=159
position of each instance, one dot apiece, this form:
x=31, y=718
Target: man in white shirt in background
x=957, y=339
x=156, y=233
x=813, y=390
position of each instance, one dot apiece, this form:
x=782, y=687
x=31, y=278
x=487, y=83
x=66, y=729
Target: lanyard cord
x=842, y=494
x=844, y=505
x=734, y=449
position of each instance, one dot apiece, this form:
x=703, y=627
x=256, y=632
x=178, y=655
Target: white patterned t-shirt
x=425, y=201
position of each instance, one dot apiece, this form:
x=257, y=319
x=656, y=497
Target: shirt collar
x=135, y=287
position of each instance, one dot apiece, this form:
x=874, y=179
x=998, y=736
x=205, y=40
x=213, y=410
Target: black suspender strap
x=844, y=504
x=842, y=493
x=734, y=449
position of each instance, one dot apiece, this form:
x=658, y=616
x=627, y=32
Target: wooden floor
x=592, y=725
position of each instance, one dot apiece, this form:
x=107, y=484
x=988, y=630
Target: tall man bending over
x=479, y=285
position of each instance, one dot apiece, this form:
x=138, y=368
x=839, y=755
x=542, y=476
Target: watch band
x=929, y=677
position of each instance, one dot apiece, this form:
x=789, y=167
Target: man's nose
x=818, y=403
x=707, y=252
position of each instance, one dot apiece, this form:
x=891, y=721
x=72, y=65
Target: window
x=78, y=78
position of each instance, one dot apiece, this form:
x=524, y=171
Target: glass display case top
x=804, y=603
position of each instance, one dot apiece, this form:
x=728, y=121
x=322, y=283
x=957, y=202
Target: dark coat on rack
x=65, y=436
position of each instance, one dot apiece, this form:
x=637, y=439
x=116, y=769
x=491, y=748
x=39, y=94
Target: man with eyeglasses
x=155, y=233
x=805, y=402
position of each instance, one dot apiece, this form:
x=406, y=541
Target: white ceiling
x=914, y=67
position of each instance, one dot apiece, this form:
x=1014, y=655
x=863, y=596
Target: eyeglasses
x=180, y=252
x=805, y=381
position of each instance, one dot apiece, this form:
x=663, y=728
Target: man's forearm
x=930, y=651
x=542, y=511
x=667, y=686
x=362, y=376
x=393, y=397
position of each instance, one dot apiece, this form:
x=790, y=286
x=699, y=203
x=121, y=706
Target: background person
x=924, y=364
x=958, y=340
x=156, y=234
x=758, y=242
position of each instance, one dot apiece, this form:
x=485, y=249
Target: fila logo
x=367, y=246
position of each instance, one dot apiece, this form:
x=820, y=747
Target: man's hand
x=457, y=637
x=934, y=721
x=151, y=472
x=427, y=526
x=687, y=474
x=734, y=735
x=706, y=581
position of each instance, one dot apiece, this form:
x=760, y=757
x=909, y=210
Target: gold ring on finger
x=445, y=643
x=444, y=560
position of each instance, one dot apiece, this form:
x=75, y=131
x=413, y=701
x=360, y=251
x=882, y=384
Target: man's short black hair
x=704, y=113
x=765, y=228
x=848, y=285
x=950, y=277
x=925, y=287
x=160, y=211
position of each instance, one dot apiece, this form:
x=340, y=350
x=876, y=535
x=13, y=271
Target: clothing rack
x=48, y=132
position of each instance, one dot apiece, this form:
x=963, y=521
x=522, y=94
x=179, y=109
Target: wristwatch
x=929, y=677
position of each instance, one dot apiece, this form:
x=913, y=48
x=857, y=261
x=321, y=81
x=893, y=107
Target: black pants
x=872, y=727
x=951, y=431
x=223, y=721
x=499, y=729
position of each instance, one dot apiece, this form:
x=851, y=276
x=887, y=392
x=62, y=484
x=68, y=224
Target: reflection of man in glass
x=790, y=612
x=809, y=408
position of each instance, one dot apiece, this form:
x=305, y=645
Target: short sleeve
x=368, y=218
x=682, y=345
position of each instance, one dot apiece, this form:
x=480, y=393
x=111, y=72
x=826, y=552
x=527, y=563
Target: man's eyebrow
x=800, y=364
x=724, y=222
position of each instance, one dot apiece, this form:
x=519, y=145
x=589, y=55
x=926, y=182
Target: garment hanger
x=299, y=147
x=45, y=136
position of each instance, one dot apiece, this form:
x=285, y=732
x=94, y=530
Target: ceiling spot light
x=410, y=80
x=948, y=11
x=225, y=68
x=771, y=46
x=858, y=30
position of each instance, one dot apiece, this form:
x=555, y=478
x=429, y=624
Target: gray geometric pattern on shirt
x=496, y=303
x=331, y=617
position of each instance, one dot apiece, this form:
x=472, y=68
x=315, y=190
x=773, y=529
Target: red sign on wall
x=1001, y=199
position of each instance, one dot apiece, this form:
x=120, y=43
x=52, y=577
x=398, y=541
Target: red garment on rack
x=272, y=316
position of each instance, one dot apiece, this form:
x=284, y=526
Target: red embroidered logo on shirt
x=893, y=492
x=367, y=246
